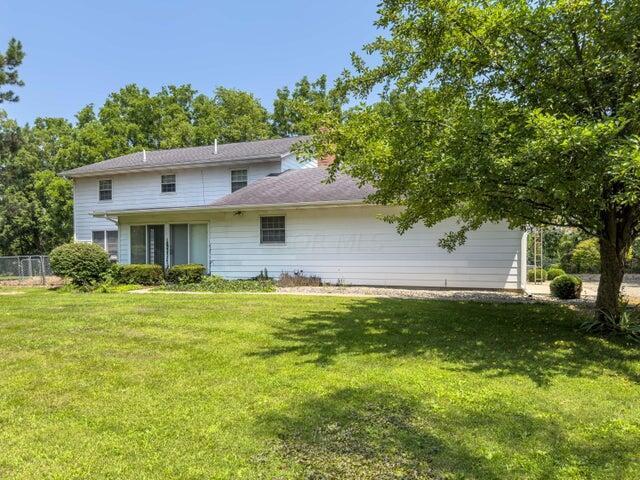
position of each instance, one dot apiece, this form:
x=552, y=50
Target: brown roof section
x=306, y=185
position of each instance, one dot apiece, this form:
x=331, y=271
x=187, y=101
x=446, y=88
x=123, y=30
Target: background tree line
x=36, y=205
x=575, y=252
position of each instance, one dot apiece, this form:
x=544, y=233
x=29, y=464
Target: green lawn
x=267, y=386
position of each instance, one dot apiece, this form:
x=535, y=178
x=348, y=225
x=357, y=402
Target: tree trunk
x=612, y=257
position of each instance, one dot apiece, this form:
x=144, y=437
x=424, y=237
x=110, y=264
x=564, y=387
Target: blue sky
x=79, y=52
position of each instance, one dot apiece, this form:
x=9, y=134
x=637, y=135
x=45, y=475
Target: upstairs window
x=168, y=183
x=105, y=190
x=238, y=179
x=272, y=230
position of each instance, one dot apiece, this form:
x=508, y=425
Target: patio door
x=175, y=244
x=179, y=244
x=189, y=244
x=155, y=244
x=198, y=244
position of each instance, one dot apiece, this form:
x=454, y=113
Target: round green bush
x=566, y=287
x=142, y=274
x=186, y=274
x=83, y=263
x=555, y=272
x=586, y=256
x=539, y=274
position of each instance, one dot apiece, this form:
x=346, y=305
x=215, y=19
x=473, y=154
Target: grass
x=276, y=386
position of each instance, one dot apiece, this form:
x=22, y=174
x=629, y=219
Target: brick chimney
x=326, y=161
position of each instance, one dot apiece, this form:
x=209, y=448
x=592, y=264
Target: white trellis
x=537, y=240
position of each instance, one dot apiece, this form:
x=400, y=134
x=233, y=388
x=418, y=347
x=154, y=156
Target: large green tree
x=10, y=60
x=505, y=109
x=295, y=112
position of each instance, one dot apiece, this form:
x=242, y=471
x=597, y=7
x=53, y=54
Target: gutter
x=224, y=208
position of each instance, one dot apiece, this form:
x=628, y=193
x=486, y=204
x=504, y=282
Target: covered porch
x=164, y=238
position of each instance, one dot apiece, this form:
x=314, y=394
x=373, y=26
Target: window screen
x=238, y=179
x=168, y=183
x=107, y=240
x=97, y=237
x=112, y=242
x=138, y=244
x=272, y=230
x=105, y=190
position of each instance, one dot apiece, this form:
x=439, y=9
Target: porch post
x=167, y=245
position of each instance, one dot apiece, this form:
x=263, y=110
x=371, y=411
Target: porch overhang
x=228, y=208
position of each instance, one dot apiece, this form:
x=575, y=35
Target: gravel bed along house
x=434, y=294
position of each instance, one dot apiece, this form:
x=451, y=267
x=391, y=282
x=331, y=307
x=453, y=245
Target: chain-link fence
x=33, y=268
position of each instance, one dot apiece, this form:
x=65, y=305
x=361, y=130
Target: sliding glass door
x=155, y=244
x=198, y=244
x=138, y=244
x=147, y=244
x=186, y=243
x=179, y=244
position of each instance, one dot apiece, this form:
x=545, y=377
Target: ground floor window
x=272, y=229
x=170, y=244
x=107, y=239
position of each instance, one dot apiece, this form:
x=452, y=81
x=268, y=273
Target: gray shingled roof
x=228, y=152
x=297, y=186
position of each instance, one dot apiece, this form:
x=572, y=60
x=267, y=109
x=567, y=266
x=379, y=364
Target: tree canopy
x=295, y=111
x=508, y=109
x=10, y=60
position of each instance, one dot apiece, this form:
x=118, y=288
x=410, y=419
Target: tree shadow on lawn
x=538, y=341
x=368, y=433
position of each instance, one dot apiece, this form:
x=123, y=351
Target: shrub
x=142, y=274
x=185, y=274
x=299, y=279
x=83, y=263
x=566, y=287
x=586, y=256
x=216, y=283
x=537, y=274
x=555, y=272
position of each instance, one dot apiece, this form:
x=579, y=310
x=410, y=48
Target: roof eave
x=155, y=168
x=237, y=207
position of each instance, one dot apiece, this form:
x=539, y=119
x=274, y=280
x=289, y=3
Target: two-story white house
x=244, y=207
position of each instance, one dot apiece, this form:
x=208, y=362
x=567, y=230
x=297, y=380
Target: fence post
x=44, y=278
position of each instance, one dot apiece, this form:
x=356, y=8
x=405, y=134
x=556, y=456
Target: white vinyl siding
x=198, y=186
x=353, y=246
x=291, y=162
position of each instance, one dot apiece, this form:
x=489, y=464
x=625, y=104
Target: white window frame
x=167, y=237
x=270, y=244
x=100, y=190
x=246, y=178
x=175, y=183
x=105, y=242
